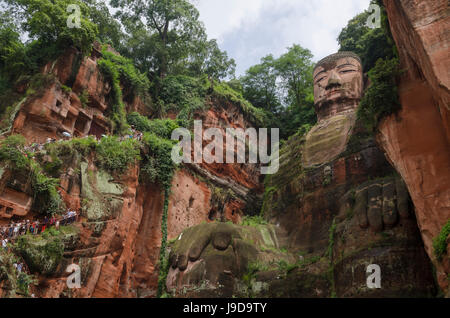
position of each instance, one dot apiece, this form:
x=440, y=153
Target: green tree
x=369, y=44
x=210, y=60
x=109, y=29
x=13, y=59
x=380, y=61
x=260, y=85
x=284, y=88
x=175, y=23
x=46, y=21
x=294, y=69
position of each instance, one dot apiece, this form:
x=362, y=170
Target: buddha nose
x=334, y=80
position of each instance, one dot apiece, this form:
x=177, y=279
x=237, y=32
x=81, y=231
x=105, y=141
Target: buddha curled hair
x=328, y=61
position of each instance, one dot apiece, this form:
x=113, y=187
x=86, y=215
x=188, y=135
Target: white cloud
x=251, y=29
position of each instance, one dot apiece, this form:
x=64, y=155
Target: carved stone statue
x=338, y=84
x=335, y=198
x=338, y=88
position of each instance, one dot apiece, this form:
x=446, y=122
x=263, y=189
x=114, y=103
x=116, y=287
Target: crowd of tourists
x=13, y=230
x=36, y=147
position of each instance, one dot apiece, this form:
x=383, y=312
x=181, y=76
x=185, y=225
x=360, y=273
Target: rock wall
x=119, y=233
x=329, y=217
x=417, y=139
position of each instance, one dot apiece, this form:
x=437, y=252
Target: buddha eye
x=320, y=79
x=346, y=71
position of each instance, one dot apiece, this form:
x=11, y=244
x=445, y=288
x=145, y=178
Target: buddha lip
x=334, y=91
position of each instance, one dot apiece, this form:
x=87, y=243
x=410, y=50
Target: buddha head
x=338, y=84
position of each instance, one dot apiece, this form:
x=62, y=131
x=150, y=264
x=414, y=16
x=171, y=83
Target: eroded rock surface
x=338, y=206
x=416, y=140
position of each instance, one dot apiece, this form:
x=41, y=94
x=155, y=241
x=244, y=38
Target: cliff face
x=417, y=139
x=335, y=206
x=118, y=238
x=330, y=217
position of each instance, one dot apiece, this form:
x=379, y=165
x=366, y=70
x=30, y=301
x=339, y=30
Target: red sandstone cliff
x=417, y=139
x=119, y=233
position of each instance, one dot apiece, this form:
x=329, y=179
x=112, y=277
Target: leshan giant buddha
x=333, y=182
x=338, y=88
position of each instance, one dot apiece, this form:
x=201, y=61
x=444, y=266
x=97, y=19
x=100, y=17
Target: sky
x=251, y=29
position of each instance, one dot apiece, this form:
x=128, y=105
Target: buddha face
x=338, y=81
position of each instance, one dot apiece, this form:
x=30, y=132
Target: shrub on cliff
x=440, y=242
x=381, y=98
x=12, y=281
x=184, y=95
x=12, y=152
x=160, y=127
x=258, y=116
x=158, y=165
x=379, y=56
x=129, y=75
x=114, y=155
x=46, y=199
x=41, y=253
x=117, y=108
x=120, y=70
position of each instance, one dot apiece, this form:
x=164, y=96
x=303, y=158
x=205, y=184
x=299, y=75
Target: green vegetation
x=256, y=115
x=160, y=127
x=84, y=98
x=183, y=94
x=120, y=70
x=41, y=255
x=370, y=44
x=44, y=252
x=163, y=255
x=12, y=152
x=283, y=87
x=13, y=281
x=269, y=191
x=66, y=89
x=440, y=242
x=380, y=60
x=331, y=242
x=381, y=98
x=134, y=80
x=253, y=220
x=117, y=107
x=168, y=39
x=252, y=269
x=46, y=199
x=111, y=154
x=45, y=24
x=115, y=156
x=158, y=165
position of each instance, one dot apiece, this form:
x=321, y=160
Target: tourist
x=10, y=230
x=16, y=229
x=44, y=224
